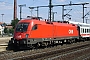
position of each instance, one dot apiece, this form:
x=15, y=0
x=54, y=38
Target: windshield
x=22, y=27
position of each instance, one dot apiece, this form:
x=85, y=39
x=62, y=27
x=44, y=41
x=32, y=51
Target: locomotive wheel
x=62, y=43
x=37, y=45
x=45, y=44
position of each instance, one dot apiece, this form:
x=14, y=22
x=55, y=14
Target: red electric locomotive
x=34, y=32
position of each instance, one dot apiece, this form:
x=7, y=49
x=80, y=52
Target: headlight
x=18, y=37
x=27, y=35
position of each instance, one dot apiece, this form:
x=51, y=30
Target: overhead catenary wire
x=76, y=11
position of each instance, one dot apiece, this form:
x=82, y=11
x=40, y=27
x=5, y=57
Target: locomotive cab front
x=21, y=31
x=21, y=34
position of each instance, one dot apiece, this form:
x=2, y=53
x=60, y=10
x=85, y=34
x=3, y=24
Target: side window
x=83, y=30
x=34, y=27
x=87, y=30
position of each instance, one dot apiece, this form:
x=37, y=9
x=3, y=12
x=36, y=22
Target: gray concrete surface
x=4, y=42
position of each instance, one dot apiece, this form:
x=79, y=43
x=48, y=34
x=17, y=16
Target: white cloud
x=4, y=5
x=61, y=0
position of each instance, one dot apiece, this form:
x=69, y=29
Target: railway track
x=6, y=52
x=74, y=54
x=57, y=52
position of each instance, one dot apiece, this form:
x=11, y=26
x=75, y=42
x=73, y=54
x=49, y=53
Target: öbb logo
x=70, y=31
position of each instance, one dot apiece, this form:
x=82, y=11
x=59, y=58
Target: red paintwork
x=85, y=35
x=44, y=30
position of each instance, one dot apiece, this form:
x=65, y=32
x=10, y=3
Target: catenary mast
x=15, y=9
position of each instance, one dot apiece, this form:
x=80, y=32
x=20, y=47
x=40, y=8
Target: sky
x=6, y=8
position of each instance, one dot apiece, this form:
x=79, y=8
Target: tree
x=14, y=22
x=11, y=30
x=5, y=30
